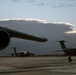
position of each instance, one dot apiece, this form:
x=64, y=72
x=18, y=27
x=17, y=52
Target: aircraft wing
x=7, y=33
x=66, y=50
x=22, y=35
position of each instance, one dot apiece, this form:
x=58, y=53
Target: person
x=69, y=59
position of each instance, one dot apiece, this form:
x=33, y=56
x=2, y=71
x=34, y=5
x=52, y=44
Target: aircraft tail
x=62, y=44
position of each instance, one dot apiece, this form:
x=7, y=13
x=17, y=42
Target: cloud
x=71, y=32
x=52, y=3
x=52, y=31
x=41, y=4
x=32, y=0
x=55, y=4
x=25, y=1
x=15, y=0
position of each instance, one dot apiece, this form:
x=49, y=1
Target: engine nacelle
x=4, y=39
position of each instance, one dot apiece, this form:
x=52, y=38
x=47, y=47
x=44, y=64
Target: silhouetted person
x=69, y=59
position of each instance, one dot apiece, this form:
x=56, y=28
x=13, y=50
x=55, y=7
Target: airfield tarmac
x=37, y=66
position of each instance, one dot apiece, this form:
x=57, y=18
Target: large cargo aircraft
x=68, y=51
x=7, y=33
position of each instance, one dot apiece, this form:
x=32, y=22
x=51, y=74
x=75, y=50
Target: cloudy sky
x=49, y=10
x=53, y=19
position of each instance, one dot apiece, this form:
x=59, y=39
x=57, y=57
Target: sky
x=53, y=19
x=49, y=10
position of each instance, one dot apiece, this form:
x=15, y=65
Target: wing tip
x=44, y=39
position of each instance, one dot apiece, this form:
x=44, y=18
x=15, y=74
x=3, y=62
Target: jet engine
x=4, y=39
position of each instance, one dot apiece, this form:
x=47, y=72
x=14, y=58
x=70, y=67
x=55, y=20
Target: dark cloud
x=52, y=3
x=57, y=3
x=52, y=31
x=31, y=0
x=41, y=4
x=15, y=0
x=65, y=5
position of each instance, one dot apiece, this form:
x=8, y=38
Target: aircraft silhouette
x=7, y=33
x=67, y=51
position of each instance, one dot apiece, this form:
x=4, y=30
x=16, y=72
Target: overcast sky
x=53, y=19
